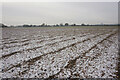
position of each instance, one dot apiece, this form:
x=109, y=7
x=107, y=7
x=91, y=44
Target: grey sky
x=55, y=13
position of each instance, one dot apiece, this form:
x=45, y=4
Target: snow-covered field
x=59, y=52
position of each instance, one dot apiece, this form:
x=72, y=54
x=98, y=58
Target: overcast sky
x=17, y=13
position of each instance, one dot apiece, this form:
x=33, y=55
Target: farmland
x=59, y=52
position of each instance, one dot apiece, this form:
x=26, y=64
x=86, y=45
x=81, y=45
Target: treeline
x=2, y=25
x=46, y=25
x=58, y=25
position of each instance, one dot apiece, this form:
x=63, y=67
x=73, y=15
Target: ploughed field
x=59, y=52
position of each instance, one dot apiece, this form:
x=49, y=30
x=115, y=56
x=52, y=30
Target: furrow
x=72, y=63
x=37, y=58
x=31, y=61
x=7, y=55
x=46, y=53
x=27, y=40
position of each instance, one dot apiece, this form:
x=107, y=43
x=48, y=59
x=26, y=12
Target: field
x=59, y=52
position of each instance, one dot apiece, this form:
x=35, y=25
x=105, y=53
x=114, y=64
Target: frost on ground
x=73, y=52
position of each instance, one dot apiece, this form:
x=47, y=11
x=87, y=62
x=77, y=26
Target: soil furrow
x=4, y=56
x=31, y=62
x=37, y=58
x=72, y=63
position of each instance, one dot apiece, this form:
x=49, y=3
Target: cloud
x=60, y=12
